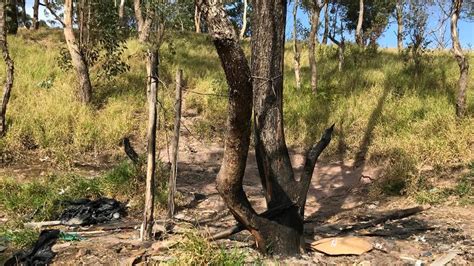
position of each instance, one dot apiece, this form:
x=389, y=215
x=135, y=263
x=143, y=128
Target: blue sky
x=389, y=38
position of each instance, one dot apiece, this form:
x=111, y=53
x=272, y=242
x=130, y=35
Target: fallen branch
x=42, y=224
x=395, y=215
x=131, y=153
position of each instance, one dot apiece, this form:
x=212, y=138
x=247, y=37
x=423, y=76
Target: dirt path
x=338, y=196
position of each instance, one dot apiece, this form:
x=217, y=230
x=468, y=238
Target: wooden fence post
x=175, y=144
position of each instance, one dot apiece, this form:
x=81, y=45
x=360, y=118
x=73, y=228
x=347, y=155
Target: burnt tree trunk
x=9, y=70
x=175, y=144
x=35, y=23
x=358, y=32
x=400, y=25
x=461, y=59
x=296, y=51
x=77, y=56
x=280, y=229
x=315, y=11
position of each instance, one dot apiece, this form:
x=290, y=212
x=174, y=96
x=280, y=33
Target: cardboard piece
x=342, y=246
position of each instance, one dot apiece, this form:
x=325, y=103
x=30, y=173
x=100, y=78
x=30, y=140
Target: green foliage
x=18, y=238
x=197, y=250
x=462, y=191
x=42, y=198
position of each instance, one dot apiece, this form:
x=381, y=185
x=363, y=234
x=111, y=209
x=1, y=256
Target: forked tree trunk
x=315, y=11
x=244, y=20
x=296, y=51
x=175, y=144
x=77, y=57
x=358, y=33
x=461, y=59
x=9, y=70
x=280, y=229
x=143, y=23
x=197, y=19
x=35, y=25
x=400, y=25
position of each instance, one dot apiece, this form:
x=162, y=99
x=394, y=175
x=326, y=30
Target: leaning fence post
x=175, y=144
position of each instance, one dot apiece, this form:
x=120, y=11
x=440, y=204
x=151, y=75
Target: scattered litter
x=87, y=212
x=70, y=236
x=342, y=246
x=40, y=253
x=420, y=239
x=445, y=259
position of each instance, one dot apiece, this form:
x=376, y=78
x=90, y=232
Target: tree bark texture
x=197, y=19
x=121, y=12
x=399, y=8
x=279, y=229
x=461, y=59
x=296, y=51
x=143, y=21
x=358, y=33
x=315, y=11
x=175, y=144
x=152, y=87
x=326, y=24
x=244, y=20
x=9, y=70
x=78, y=60
x=35, y=23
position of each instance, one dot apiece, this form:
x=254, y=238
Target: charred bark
x=461, y=59
x=280, y=229
x=9, y=71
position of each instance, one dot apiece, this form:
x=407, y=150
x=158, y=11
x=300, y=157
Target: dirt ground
x=337, y=198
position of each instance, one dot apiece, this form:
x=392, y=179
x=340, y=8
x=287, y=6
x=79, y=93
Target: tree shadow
x=349, y=175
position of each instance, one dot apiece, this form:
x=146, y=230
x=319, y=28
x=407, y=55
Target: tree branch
x=308, y=169
x=47, y=4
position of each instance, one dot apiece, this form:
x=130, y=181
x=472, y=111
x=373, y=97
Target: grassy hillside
x=382, y=110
